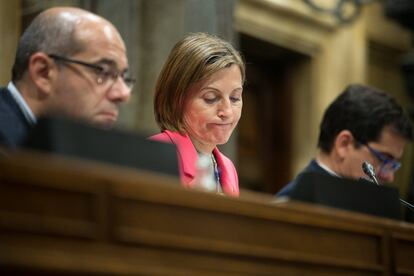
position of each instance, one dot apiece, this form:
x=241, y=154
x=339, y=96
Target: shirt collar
x=27, y=112
x=326, y=168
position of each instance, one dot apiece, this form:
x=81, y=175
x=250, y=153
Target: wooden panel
x=194, y=229
x=72, y=217
x=28, y=208
x=404, y=248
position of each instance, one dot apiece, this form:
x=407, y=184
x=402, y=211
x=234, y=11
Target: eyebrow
x=106, y=61
x=218, y=90
x=111, y=63
x=386, y=154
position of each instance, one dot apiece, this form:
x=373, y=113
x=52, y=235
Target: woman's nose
x=224, y=109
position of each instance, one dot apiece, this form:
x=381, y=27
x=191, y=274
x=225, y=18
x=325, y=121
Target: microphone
x=368, y=169
x=370, y=172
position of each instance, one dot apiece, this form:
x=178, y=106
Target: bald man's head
x=59, y=30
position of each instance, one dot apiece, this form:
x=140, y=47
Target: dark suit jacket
x=13, y=124
x=312, y=167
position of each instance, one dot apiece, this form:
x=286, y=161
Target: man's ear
x=41, y=71
x=344, y=142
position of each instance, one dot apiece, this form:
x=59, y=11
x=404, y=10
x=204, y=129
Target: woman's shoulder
x=162, y=137
x=169, y=137
x=166, y=136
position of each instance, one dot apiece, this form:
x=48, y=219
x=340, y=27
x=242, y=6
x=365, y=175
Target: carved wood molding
x=290, y=24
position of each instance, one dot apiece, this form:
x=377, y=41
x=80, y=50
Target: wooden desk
x=71, y=217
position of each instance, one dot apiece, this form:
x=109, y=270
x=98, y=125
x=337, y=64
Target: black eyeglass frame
x=388, y=164
x=103, y=74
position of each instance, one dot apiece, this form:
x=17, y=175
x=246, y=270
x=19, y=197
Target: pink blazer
x=187, y=158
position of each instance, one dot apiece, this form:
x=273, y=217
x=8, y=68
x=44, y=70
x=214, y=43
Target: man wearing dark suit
x=68, y=62
x=361, y=124
x=13, y=123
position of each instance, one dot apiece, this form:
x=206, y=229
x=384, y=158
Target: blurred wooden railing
x=62, y=216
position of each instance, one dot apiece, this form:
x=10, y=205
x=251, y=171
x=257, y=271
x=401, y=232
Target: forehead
x=224, y=80
x=390, y=143
x=101, y=41
x=227, y=76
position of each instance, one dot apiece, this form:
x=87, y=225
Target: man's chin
x=104, y=122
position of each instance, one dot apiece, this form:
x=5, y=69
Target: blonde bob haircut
x=194, y=58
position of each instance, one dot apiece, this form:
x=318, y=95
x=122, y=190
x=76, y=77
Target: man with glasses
x=68, y=62
x=361, y=124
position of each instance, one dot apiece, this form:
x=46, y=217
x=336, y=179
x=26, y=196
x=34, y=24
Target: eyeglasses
x=388, y=164
x=104, y=75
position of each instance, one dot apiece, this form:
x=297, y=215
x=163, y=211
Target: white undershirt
x=326, y=168
x=27, y=112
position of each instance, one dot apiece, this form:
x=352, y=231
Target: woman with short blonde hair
x=198, y=103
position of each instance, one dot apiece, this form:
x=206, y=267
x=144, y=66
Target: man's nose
x=119, y=92
x=387, y=177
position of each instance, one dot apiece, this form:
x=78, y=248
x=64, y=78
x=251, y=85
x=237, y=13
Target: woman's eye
x=210, y=100
x=235, y=99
